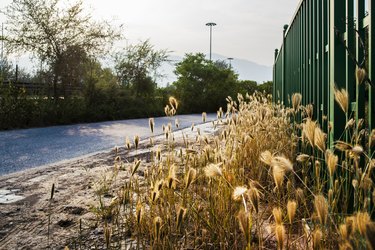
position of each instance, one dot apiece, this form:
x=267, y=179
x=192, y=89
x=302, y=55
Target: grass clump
x=264, y=181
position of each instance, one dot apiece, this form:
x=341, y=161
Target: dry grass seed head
x=360, y=74
x=308, y=130
x=331, y=161
x=302, y=158
x=321, y=208
x=171, y=179
x=167, y=110
x=357, y=150
x=139, y=212
x=355, y=184
x=282, y=162
x=370, y=235
x=342, y=99
x=317, y=236
x=309, y=111
x=238, y=192
x=155, y=196
x=204, y=117
x=213, y=170
x=278, y=174
x=343, y=146
x=350, y=123
x=180, y=216
x=343, y=231
x=127, y=142
x=320, y=139
x=362, y=219
x=151, y=124
x=136, y=141
x=266, y=157
x=280, y=235
x=157, y=226
x=372, y=138
x=345, y=246
x=296, y=101
x=366, y=183
x=291, y=209
x=254, y=196
x=173, y=102
x=330, y=197
x=277, y=215
x=136, y=164
x=190, y=177
x=244, y=220
x=350, y=224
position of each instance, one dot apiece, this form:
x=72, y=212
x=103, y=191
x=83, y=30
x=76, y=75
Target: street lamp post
x=210, y=25
x=230, y=61
x=2, y=52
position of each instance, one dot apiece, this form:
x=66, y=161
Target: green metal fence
x=322, y=46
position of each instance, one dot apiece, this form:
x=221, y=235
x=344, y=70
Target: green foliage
x=62, y=36
x=247, y=86
x=266, y=87
x=203, y=85
x=136, y=67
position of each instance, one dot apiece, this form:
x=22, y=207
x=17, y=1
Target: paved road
x=27, y=148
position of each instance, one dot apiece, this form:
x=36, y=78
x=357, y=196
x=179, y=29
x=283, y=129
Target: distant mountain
x=247, y=70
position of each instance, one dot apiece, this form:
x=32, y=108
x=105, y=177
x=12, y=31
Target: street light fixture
x=210, y=25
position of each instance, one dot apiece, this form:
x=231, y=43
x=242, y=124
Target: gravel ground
x=27, y=148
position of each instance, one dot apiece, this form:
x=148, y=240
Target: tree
x=266, y=87
x=54, y=33
x=247, y=86
x=203, y=85
x=137, y=67
x=6, y=70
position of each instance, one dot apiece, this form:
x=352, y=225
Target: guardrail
x=326, y=41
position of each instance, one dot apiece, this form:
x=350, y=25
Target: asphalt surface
x=27, y=148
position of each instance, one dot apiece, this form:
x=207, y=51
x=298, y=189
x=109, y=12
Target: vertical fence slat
x=350, y=44
x=337, y=50
x=313, y=57
x=360, y=89
x=304, y=58
x=320, y=60
x=325, y=64
x=371, y=106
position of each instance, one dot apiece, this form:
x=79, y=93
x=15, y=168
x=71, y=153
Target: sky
x=246, y=29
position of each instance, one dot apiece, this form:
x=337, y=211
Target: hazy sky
x=246, y=29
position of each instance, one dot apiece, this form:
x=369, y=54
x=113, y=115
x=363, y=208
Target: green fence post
x=274, y=77
x=350, y=64
x=284, y=66
x=337, y=77
x=360, y=89
x=371, y=106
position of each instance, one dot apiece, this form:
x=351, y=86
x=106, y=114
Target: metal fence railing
x=326, y=41
x=42, y=89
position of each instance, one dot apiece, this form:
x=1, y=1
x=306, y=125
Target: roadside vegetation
x=80, y=76
x=264, y=181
